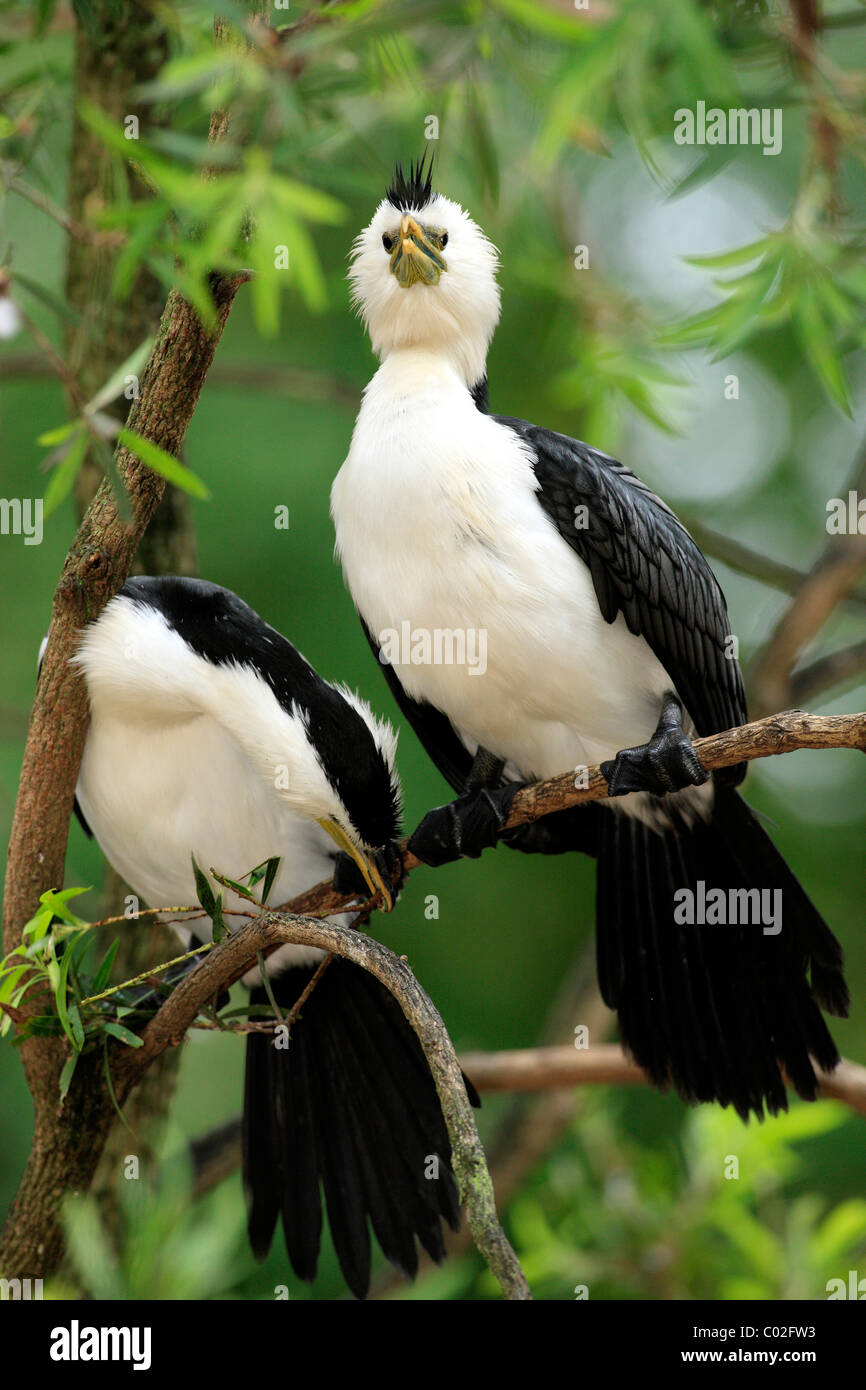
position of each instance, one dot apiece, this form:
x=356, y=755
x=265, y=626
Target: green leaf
x=65, y=471
x=67, y=1073
x=310, y=203
x=819, y=345
x=163, y=463
x=541, y=18
x=57, y=903
x=110, y=1084
x=841, y=1232
x=204, y=892
x=77, y=1026
x=726, y=260
x=481, y=137
x=117, y=381
x=103, y=974
x=270, y=875
x=57, y=436
x=60, y=999
x=219, y=926
x=38, y=925
x=123, y=1035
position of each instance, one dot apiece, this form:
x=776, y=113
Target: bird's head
x=423, y=274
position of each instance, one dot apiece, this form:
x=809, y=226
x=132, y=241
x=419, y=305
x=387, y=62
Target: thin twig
x=837, y=668
x=831, y=579
x=40, y=200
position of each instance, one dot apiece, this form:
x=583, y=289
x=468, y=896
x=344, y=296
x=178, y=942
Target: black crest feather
x=415, y=189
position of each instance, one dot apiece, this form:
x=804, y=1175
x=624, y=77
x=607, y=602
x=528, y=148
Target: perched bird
x=211, y=737
x=605, y=639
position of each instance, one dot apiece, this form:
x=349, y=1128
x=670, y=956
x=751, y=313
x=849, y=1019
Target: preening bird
x=211, y=736
x=607, y=641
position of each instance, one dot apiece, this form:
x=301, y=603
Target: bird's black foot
x=667, y=763
x=465, y=827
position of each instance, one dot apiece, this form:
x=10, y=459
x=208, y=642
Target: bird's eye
x=443, y=240
x=388, y=242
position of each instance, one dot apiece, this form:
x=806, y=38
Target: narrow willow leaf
x=57, y=436
x=219, y=926
x=77, y=1026
x=726, y=260
x=67, y=1073
x=60, y=998
x=103, y=974
x=65, y=472
x=270, y=875
x=117, y=381
x=123, y=1035
x=203, y=889
x=820, y=347
x=57, y=903
x=163, y=463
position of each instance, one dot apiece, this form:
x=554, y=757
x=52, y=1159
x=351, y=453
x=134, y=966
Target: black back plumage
x=645, y=565
x=222, y=629
x=349, y=1110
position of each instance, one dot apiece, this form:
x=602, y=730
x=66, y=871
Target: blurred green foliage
x=554, y=126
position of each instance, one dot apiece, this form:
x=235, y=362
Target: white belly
x=438, y=525
x=154, y=797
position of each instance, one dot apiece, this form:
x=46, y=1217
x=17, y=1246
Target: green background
x=631, y=1174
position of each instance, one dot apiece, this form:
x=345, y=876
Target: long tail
x=719, y=1011
x=350, y=1104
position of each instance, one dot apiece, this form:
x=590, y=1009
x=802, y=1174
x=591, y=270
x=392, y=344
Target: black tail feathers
x=719, y=1011
x=349, y=1105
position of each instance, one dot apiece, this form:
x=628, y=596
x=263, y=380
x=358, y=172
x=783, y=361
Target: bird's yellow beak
x=415, y=258
x=372, y=876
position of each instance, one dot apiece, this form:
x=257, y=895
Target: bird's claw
x=667, y=763
x=463, y=828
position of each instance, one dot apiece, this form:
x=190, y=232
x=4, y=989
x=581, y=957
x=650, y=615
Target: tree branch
x=842, y=667
x=548, y=1068
x=752, y=563
x=226, y=962
x=831, y=580
x=779, y=733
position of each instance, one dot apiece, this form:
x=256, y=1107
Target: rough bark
x=67, y=1145
x=117, y=50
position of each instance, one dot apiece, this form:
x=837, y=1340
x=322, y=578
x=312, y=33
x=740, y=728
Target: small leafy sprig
x=51, y=961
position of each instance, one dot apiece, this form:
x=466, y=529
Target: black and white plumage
x=607, y=641
x=211, y=736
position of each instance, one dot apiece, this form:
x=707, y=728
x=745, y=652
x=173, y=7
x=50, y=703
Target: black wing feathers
x=645, y=565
